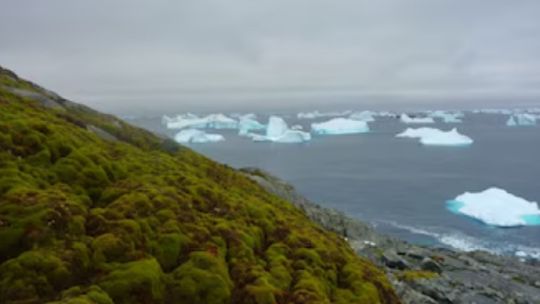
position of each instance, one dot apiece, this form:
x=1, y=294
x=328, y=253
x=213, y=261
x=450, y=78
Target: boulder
x=430, y=265
x=392, y=260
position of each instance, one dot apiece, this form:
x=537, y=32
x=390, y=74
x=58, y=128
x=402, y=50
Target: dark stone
x=392, y=260
x=430, y=265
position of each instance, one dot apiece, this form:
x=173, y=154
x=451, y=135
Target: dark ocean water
x=399, y=185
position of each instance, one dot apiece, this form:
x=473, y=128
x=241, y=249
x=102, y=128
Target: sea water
x=399, y=185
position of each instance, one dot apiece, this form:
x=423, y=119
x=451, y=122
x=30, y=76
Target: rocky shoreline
x=423, y=274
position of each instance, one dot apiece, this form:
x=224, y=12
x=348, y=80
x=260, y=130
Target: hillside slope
x=423, y=274
x=93, y=210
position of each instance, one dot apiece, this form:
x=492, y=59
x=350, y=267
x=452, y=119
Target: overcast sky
x=121, y=54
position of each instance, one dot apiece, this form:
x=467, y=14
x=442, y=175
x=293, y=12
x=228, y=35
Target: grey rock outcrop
x=423, y=274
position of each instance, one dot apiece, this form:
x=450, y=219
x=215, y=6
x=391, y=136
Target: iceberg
x=385, y=114
x=197, y=136
x=496, y=207
x=184, y=121
x=416, y=120
x=276, y=127
x=220, y=121
x=293, y=136
x=366, y=116
x=511, y=122
x=214, y=121
x=317, y=114
x=340, y=126
x=278, y=131
x=436, y=137
x=521, y=119
x=493, y=111
x=447, y=117
x=247, y=123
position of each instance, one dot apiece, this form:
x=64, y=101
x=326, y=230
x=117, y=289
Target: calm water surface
x=399, y=185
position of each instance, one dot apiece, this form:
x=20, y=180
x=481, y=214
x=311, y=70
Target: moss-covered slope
x=93, y=210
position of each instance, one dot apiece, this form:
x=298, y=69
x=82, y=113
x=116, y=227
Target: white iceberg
x=276, y=127
x=416, y=120
x=293, y=136
x=366, y=116
x=278, y=131
x=385, y=114
x=511, y=122
x=493, y=111
x=436, y=137
x=248, y=123
x=447, y=117
x=214, y=121
x=317, y=114
x=521, y=119
x=197, y=136
x=183, y=121
x=496, y=207
x=220, y=121
x=340, y=126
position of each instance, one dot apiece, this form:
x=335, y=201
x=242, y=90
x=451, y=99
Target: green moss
x=36, y=273
x=262, y=293
x=135, y=282
x=108, y=247
x=91, y=295
x=170, y=247
x=150, y=222
x=202, y=279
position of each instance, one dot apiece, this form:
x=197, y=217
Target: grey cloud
x=104, y=52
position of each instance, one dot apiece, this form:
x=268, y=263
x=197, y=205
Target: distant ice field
x=402, y=186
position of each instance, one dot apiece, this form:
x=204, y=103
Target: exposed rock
x=392, y=260
x=43, y=99
x=430, y=265
x=101, y=133
x=464, y=277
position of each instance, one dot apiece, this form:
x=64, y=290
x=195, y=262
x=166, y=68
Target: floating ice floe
x=213, y=121
x=248, y=123
x=496, y=207
x=447, y=117
x=521, y=119
x=366, y=116
x=197, y=136
x=278, y=131
x=416, y=120
x=340, y=126
x=494, y=111
x=436, y=137
x=317, y=114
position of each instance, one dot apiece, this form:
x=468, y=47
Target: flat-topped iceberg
x=447, y=117
x=436, y=137
x=212, y=121
x=496, y=207
x=317, y=114
x=340, y=126
x=416, y=120
x=366, y=116
x=220, y=121
x=197, y=136
x=183, y=121
x=521, y=119
x=493, y=111
x=278, y=131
